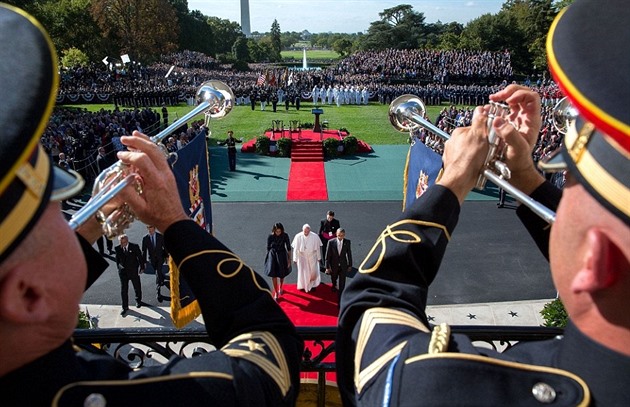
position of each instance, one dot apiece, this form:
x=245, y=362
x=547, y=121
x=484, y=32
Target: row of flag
x=275, y=77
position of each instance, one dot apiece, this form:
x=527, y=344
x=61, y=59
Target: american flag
x=261, y=79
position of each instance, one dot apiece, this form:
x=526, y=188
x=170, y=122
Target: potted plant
x=284, y=147
x=331, y=147
x=262, y=145
x=554, y=314
x=350, y=145
x=84, y=321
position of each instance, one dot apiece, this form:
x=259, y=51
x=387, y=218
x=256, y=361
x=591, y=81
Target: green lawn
x=368, y=123
x=311, y=55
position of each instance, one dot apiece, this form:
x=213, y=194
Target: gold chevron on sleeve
x=400, y=236
x=372, y=318
x=263, y=350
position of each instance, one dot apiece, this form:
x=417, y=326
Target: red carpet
x=307, y=181
x=315, y=308
x=307, y=177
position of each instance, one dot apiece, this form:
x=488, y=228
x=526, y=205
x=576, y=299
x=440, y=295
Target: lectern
x=317, y=128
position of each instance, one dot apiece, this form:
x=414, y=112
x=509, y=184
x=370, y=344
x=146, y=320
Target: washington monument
x=245, y=27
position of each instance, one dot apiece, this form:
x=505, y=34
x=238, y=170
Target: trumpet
x=406, y=113
x=214, y=98
x=563, y=114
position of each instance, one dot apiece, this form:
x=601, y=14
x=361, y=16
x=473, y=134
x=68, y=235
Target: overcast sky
x=347, y=16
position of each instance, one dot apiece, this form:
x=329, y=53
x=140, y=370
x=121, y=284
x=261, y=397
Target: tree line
x=88, y=30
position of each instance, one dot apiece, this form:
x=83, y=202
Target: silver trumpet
x=406, y=113
x=214, y=98
x=563, y=114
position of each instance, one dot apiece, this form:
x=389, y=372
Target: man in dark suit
x=153, y=246
x=338, y=260
x=327, y=231
x=130, y=263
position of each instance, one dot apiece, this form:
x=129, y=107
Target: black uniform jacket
x=256, y=364
x=389, y=355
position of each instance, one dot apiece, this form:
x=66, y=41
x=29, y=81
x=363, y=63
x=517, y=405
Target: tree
x=196, y=34
x=225, y=33
x=70, y=24
x=240, y=50
x=400, y=27
x=259, y=51
x=342, y=46
x=74, y=57
x=143, y=28
x=289, y=38
x=276, y=42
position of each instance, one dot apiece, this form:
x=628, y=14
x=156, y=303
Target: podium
x=317, y=111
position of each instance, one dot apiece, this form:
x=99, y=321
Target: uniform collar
x=58, y=367
x=600, y=367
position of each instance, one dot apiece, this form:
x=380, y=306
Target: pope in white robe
x=306, y=255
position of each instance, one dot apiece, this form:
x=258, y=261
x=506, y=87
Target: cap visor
x=66, y=184
x=554, y=162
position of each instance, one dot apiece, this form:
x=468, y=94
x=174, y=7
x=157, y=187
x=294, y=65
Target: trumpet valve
x=116, y=223
x=502, y=169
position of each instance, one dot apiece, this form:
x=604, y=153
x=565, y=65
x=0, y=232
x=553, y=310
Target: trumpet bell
x=402, y=109
x=214, y=98
x=218, y=95
x=563, y=114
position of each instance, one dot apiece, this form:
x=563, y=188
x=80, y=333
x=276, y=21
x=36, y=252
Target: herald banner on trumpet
x=422, y=169
x=192, y=175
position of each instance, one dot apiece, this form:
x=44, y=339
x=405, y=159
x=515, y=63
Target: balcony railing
x=140, y=347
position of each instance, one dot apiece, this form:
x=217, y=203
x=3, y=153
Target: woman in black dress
x=278, y=258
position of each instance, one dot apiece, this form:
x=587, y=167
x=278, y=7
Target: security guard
x=44, y=270
x=389, y=355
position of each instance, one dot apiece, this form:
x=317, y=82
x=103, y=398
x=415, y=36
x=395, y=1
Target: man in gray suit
x=338, y=260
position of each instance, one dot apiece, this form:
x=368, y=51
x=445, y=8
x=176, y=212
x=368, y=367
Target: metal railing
x=140, y=347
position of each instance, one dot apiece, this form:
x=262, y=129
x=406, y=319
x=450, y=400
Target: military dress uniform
x=388, y=354
x=258, y=350
x=230, y=142
x=256, y=362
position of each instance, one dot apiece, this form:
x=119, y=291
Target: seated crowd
x=436, y=77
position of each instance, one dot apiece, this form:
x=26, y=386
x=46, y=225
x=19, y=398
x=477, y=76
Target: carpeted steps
x=307, y=150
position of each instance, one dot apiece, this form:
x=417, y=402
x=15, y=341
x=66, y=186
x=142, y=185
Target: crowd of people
x=176, y=76
x=75, y=135
x=437, y=77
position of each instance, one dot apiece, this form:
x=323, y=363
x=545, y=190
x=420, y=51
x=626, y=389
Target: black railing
x=145, y=346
